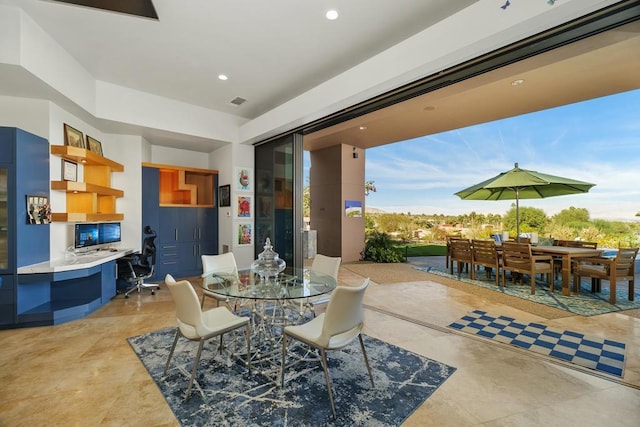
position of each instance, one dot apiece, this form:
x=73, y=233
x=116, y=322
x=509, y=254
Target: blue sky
x=597, y=141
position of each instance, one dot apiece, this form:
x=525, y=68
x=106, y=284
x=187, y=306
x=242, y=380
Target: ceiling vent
x=237, y=101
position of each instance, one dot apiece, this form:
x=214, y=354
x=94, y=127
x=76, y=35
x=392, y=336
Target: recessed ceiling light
x=517, y=82
x=332, y=15
x=363, y=127
x=222, y=76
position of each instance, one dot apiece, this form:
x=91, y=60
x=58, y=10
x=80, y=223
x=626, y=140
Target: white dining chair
x=197, y=325
x=224, y=264
x=337, y=327
x=322, y=264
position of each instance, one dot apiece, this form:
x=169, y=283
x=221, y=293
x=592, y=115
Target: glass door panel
x=278, y=191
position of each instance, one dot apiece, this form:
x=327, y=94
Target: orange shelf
x=94, y=199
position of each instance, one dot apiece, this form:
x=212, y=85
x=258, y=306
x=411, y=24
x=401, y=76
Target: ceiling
x=597, y=66
x=273, y=51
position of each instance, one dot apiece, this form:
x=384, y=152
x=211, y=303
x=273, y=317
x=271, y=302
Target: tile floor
x=84, y=373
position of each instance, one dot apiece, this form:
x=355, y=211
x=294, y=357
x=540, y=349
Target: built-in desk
x=58, y=291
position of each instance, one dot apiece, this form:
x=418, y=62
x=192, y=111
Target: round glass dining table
x=271, y=304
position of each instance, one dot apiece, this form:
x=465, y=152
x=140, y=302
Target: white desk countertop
x=75, y=261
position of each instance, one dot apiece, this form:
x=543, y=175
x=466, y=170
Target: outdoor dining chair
x=485, y=254
x=557, y=261
x=517, y=258
x=460, y=253
x=620, y=268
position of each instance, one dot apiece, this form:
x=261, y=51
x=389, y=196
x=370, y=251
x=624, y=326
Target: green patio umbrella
x=517, y=184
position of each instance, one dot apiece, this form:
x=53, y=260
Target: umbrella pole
x=517, y=216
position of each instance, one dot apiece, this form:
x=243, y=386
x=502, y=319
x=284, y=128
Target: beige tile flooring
x=83, y=373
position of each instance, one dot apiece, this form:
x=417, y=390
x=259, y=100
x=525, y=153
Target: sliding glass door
x=278, y=175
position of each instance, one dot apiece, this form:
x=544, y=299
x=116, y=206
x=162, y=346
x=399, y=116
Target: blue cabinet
x=184, y=232
x=24, y=171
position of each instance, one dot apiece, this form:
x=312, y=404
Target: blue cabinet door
x=7, y=299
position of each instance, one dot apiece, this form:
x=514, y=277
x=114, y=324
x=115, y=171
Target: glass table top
x=246, y=284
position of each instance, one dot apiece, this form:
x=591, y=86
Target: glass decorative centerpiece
x=268, y=265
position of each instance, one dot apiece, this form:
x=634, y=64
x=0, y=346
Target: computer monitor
x=109, y=232
x=86, y=234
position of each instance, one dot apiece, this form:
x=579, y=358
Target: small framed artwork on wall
x=244, y=178
x=73, y=137
x=224, y=196
x=94, y=145
x=69, y=170
x=243, y=207
x=244, y=234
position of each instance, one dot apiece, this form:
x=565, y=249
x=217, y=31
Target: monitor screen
x=86, y=235
x=109, y=232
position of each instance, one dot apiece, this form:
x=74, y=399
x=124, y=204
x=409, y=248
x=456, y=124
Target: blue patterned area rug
x=591, y=352
x=584, y=304
x=226, y=395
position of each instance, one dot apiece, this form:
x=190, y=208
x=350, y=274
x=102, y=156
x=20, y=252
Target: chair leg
x=323, y=361
x=173, y=347
x=631, y=289
x=612, y=292
x=193, y=371
x=366, y=359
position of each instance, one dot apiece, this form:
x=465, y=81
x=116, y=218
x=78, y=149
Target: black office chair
x=135, y=268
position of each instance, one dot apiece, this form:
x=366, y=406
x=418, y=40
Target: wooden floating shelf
x=84, y=187
x=85, y=157
x=86, y=217
x=92, y=200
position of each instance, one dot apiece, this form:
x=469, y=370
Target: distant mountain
x=373, y=210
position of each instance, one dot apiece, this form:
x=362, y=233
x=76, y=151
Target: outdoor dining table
x=271, y=303
x=566, y=254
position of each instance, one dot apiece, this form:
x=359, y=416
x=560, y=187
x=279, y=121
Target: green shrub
x=380, y=248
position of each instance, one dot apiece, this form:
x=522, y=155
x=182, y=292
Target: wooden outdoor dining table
x=566, y=254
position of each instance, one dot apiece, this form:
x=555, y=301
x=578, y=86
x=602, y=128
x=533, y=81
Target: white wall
x=222, y=160
x=176, y=157
x=27, y=114
x=227, y=160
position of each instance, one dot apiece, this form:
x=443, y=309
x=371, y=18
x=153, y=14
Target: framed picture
x=94, y=145
x=244, y=234
x=73, y=137
x=224, y=196
x=244, y=179
x=243, y=207
x=38, y=210
x=69, y=170
x=353, y=208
